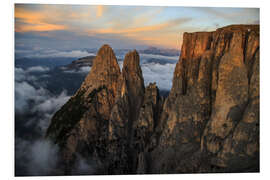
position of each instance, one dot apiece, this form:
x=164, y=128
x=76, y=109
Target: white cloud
x=25, y=92
x=37, y=69
x=83, y=70
x=161, y=74
x=156, y=56
x=56, y=53
x=52, y=104
x=120, y=63
x=74, y=53
x=38, y=157
x=21, y=75
x=43, y=158
x=43, y=103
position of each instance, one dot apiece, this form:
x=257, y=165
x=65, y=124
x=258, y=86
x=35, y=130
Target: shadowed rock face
x=208, y=123
x=124, y=114
x=130, y=95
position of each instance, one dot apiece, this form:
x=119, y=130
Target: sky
x=71, y=27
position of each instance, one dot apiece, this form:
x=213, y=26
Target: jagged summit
x=104, y=72
x=133, y=76
x=105, y=52
x=132, y=61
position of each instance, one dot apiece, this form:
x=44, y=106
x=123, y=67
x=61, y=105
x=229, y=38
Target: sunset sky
x=69, y=27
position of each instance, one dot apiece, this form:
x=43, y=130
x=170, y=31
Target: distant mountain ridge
x=81, y=62
x=159, y=51
x=150, y=50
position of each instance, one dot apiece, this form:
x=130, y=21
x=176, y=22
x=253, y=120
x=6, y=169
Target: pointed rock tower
x=125, y=113
x=81, y=126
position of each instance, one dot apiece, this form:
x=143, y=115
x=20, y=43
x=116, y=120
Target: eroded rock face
x=129, y=97
x=125, y=113
x=203, y=120
x=233, y=145
x=208, y=123
x=146, y=126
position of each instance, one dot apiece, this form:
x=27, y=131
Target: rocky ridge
x=79, y=63
x=208, y=123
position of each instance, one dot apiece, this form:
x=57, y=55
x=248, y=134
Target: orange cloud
x=100, y=10
x=34, y=21
x=79, y=19
x=157, y=27
x=40, y=27
x=168, y=40
x=163, y=34
x=128, y=30
x=144, y=18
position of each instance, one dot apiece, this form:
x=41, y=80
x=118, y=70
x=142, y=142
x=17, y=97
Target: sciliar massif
x=208, y=123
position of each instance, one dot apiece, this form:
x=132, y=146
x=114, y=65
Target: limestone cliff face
x=208, y=123
x=204, y=120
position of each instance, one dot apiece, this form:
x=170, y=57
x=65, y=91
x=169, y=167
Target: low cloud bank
x=52, y=53
x=24, y=93
x=37, y=157
x=22, y=75
x=154, y=71
x=156, y=56
x=73, y=53
x=34, y=107
x=52, y=104
x=38, y=69
x=43, y=159
x=161, y=74
x=83, y=70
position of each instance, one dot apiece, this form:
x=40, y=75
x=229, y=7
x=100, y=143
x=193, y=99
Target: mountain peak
x=132, y=62
x=105, y=70
x=104, y=49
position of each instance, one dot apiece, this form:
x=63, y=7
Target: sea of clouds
x=157, y=68
x=52, y=53
x=83, y=70
x=34, y=107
